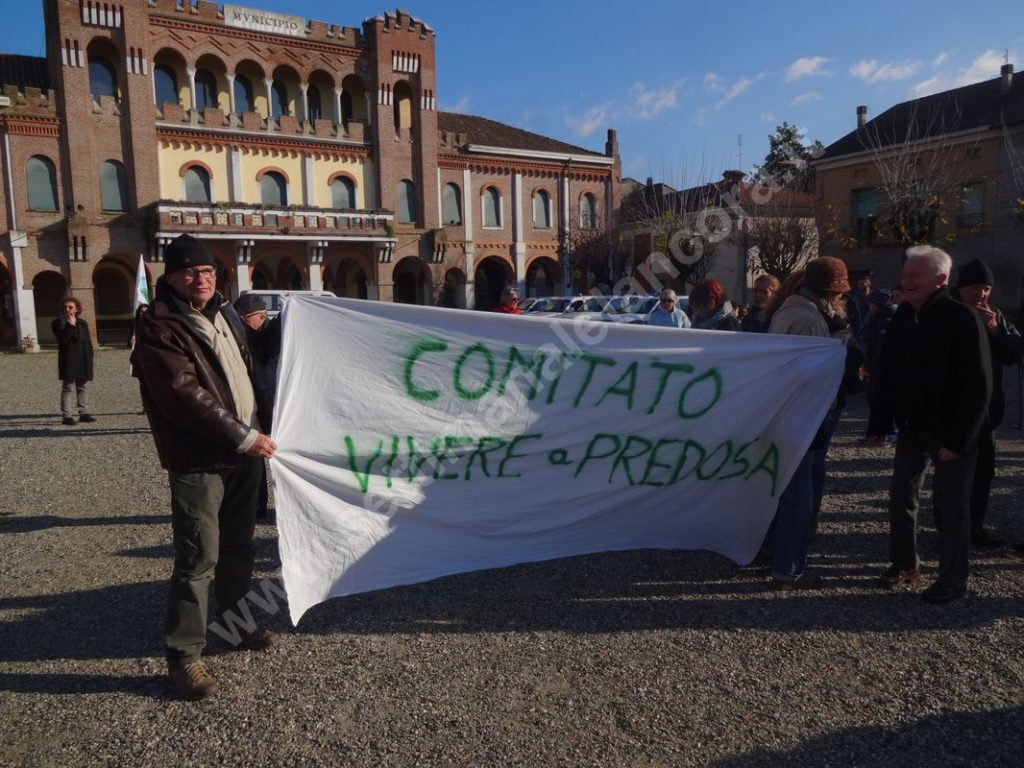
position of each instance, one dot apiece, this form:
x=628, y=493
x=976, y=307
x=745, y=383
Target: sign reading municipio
x=264, y=21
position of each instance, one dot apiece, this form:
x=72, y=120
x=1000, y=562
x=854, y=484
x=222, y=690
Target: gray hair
x=940, y=261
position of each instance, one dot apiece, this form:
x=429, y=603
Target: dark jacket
x=1007, y=348
x=265, y=345
x=755, y=321
x=872, y=334
x=74, y=350
x=184, y=390
x=935, y=372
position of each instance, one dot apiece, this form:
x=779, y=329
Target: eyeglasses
x=196, y=272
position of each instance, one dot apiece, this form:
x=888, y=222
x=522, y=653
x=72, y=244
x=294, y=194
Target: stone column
x=337, y=107
x=304, y=103
x=231, y=92
x=24, y=300
x=192, y=88
x=315, y=260
x=243, y=258
x=518, y=243
x=270, y=98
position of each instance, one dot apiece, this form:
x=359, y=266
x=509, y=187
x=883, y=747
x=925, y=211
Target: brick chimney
x=1006, y=77
x=611, y=147
x=862, y=116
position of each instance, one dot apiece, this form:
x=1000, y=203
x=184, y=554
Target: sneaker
x=805, y=580
x=982, y=538
x=894, y=578
x=257, y=640
x=940, y=594
x=67, y=421
x=85, y=418
x=192, y=680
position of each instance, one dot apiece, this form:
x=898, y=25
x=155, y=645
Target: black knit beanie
x=186, y=251
x=975, y=272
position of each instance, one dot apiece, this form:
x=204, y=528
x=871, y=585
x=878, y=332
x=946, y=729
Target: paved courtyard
x=647, y=658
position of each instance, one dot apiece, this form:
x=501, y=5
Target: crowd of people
x=930, y=358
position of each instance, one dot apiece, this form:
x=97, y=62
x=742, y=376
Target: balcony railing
x=271, y=220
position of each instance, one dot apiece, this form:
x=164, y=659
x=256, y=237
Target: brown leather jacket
x=184, y=390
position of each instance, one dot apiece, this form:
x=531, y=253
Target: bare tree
x=912, y=154
x=781, y=235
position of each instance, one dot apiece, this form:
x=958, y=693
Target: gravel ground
x=647, y=658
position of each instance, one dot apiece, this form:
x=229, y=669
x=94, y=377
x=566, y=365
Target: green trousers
x=213, y=515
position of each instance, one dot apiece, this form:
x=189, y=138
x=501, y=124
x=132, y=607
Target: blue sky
x=679, y=80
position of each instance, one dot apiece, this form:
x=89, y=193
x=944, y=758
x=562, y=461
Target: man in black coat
x=935, y=379
x=74, y=361
x=973, y=288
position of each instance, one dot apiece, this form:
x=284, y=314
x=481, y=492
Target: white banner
x=416, y=442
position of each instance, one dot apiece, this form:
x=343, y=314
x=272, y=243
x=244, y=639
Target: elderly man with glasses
x=196, y=375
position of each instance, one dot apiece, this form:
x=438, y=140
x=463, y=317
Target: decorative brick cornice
x=219, y=30
x=26, y=125
x=527, y=168
x=298, y=144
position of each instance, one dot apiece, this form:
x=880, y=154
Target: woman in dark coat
x=74, y=360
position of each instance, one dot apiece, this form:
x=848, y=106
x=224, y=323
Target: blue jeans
x=828, y=427
x=787, y=537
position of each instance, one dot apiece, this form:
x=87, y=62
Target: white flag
x=415, y=442
x=141, y=287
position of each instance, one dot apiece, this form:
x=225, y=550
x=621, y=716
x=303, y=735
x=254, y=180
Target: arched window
x=273, y=189
x=492, y=207
x=41, y=178
x=166, y=84
x=588, y=211
x=206, y=89
x=542, y=209
x=278, y=99
x=346, y=106
x=343, y=193
x=406, y=201
x=113, y=186
x=197, y=184
x=452, y=204
x=313, y=100
x=102, y=78
x=403, y=106
x=243, y=94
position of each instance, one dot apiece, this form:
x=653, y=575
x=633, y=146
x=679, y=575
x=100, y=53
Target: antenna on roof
x=1006, y=55
x=739, y=148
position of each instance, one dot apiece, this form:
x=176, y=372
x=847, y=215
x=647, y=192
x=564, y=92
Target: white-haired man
x=935, y=379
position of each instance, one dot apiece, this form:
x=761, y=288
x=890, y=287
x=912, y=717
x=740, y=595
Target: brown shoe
x=192, y=680
x=257, y=640
x=894, y=578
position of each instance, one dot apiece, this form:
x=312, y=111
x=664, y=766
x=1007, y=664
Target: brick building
x=306, y=155
x=947, y=168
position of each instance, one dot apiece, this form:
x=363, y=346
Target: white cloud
x=807, y=66
x=874, y=71
x=941, y=59
x=803, y=98
x=593, y=119
x=768, y=117
x=701, y=118
x=713, y=82
x=984, y=67
x=649, y=103
x=641, y=103
x=461, y=106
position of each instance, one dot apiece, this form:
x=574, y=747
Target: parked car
x=589, y=309
x=554, y=305
x=275, y=299
x=629, y=309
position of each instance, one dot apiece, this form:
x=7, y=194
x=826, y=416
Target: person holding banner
x=807, y=312
x=935, y=379
x=667, y=314
x=509, y=301
x=195, y=374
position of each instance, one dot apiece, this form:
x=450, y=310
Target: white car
x=631, y=310
x=549, y=306
x=590, y=308
x=275, y=299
